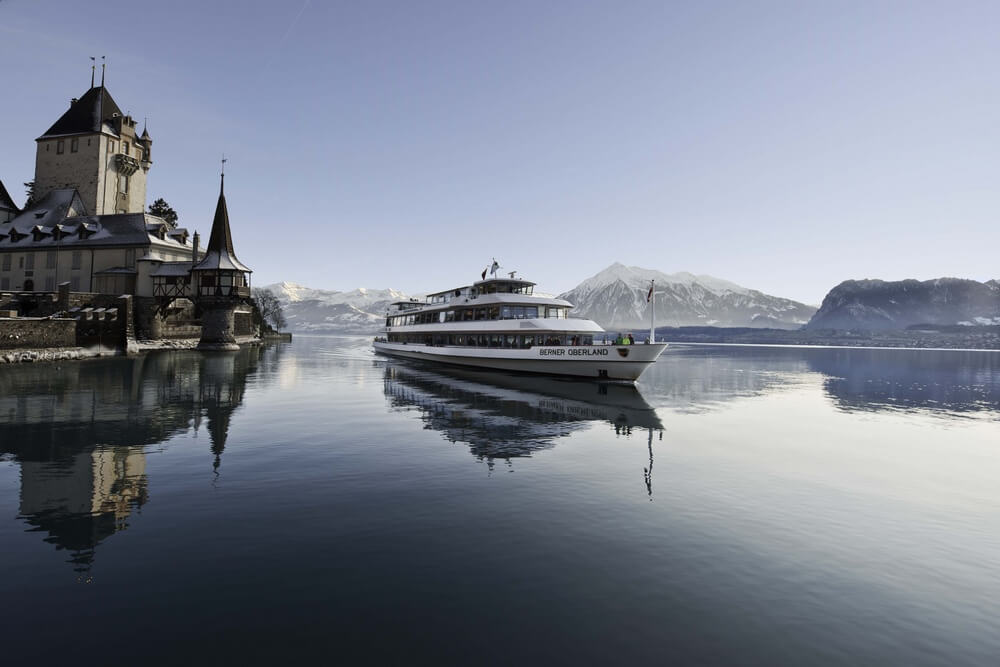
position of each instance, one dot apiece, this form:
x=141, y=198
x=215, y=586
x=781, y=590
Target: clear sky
x=785, y=146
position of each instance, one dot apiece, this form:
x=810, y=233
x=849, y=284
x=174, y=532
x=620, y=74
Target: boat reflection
x=80, y=432
x=506, y=416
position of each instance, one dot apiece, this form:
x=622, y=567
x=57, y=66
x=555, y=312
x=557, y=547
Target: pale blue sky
x=785, y=146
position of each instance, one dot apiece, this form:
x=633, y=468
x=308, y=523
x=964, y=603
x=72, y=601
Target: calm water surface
x=311, y=500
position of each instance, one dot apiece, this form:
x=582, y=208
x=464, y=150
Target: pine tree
x=29, y=189
x=163, y=210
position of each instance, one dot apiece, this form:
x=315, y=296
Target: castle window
x=123, y=183
x=29, y=260
x=125, y=147
x=111, y=146
x=4, y=283
x=74, y=283
x=50, y=259
x=74, y=145
x=50, y=283
x=77, y=256
x=60, y=147
x=130, y=258
x=6, y=262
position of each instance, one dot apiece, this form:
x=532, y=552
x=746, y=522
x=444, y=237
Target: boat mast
x=652, y=308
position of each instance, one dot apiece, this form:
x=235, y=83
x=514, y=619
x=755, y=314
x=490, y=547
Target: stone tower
x=95, y=148
x=221, y=283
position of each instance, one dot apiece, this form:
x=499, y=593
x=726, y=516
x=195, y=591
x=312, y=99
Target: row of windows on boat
x=513, y=341
x=476, y=314
x=489, y=288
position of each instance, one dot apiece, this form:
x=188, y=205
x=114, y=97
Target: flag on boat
x=649, y=297
x=493, y=269
x=484, y=274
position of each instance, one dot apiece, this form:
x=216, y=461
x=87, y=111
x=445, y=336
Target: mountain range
x=309, y=310
x=615, y=298
x=879, y=305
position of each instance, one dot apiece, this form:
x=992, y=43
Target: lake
x=314, y=501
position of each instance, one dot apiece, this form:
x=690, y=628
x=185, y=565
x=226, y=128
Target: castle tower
x=221, y=282
x=94, y=148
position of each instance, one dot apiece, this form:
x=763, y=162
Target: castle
x=85, y=228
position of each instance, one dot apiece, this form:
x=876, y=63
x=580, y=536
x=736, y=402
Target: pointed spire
x=222, y=237
x=219, y=253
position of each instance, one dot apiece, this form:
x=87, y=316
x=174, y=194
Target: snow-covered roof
x=172, y=269
x=6, y=203
x=60, y=220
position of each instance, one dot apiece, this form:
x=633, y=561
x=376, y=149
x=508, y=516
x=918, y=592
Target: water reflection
x=80, y=433
x=950, y=382
x=945, y=382
x=506, y=416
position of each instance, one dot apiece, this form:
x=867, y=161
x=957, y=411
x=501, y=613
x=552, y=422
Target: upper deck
x=491, y=290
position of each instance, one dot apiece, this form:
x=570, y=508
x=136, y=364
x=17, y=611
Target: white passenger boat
x=500, y=323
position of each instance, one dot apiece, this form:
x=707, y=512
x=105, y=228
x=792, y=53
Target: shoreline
x=831, y=346
x=38, y=355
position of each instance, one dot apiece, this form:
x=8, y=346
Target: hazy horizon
x=785, y=147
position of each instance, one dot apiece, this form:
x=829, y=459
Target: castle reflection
x=80, y=432
x=507, y=416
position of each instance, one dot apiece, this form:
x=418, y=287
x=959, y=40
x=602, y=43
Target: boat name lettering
x=573, y=351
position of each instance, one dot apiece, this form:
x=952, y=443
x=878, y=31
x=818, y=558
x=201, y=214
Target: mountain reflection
x=695, y=379
x=79, y=433
x=924, y=380
x=503, y=416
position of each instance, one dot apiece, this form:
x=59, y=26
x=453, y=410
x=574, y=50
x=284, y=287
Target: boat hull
x=620, y=363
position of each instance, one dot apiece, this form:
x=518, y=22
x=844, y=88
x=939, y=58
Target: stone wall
x=35, y=333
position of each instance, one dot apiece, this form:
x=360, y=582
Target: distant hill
x=309, y=310
x=615, y=298
x=879, y=305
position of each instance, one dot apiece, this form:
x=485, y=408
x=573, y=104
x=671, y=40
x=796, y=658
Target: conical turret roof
x=219, y=255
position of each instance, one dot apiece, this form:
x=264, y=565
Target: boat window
x=506, y=312
x=510, y=340
x=530, y=311
x=529, y=341
x=493, y=313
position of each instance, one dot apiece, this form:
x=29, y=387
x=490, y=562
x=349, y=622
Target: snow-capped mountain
x=880, y=304
x=615, y=298
x=312, y=310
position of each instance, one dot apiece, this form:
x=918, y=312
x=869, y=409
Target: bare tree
x=270, y=308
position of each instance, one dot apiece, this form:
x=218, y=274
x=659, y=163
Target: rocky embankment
x=52, y=354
